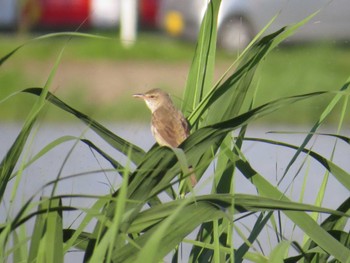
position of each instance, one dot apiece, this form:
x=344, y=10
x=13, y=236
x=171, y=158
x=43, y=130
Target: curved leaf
x=125, y=147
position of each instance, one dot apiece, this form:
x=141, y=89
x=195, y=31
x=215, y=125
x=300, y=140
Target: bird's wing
x=169, y=129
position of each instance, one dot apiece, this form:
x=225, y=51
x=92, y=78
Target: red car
x=54, y=14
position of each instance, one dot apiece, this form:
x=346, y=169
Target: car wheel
x=234, y=34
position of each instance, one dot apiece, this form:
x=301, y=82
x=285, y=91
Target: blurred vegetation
x=289, y=70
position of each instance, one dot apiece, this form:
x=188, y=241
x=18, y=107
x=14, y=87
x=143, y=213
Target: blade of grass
x=115, y=141
x=51, y=35
x=46, y=242
x=54, y=233
x=303, y=220
x=150, y=250
x=201, y=72
x=183, y=221
x=319, y=122
x=280, y=251
x=224, y=95
x=19, y=254
x=113, y=235
x=259, y=225
x=341, y=175
x=321, y=192
x=8, y=163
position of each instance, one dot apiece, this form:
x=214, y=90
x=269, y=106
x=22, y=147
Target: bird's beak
x=139, y=95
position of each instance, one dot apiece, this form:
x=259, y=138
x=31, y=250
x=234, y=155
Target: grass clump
x=134, y=223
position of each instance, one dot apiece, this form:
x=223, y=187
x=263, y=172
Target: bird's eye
x=152, y=96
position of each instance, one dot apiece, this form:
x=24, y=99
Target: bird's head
x=155, y=98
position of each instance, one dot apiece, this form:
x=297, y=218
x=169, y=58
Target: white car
x=240, y=20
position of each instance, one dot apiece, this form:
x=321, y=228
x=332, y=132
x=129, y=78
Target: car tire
x=234, y=34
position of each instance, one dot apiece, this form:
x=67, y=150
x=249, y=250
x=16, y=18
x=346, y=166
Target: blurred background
x=239, y=21
x=151, y=43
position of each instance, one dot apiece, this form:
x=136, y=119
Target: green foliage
x=134, y=224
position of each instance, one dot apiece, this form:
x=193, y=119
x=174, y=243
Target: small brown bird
x=169, y=126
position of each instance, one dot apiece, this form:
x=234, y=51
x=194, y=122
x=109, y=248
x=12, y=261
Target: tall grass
x=135, y=224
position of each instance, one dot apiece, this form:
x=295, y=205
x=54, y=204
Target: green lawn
x=148, y=46
x=289, y=70
x=301, y=69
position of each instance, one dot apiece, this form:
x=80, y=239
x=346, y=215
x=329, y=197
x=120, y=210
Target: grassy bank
x=288, y=70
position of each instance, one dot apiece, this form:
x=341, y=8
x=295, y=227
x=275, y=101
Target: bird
x=169, y=126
